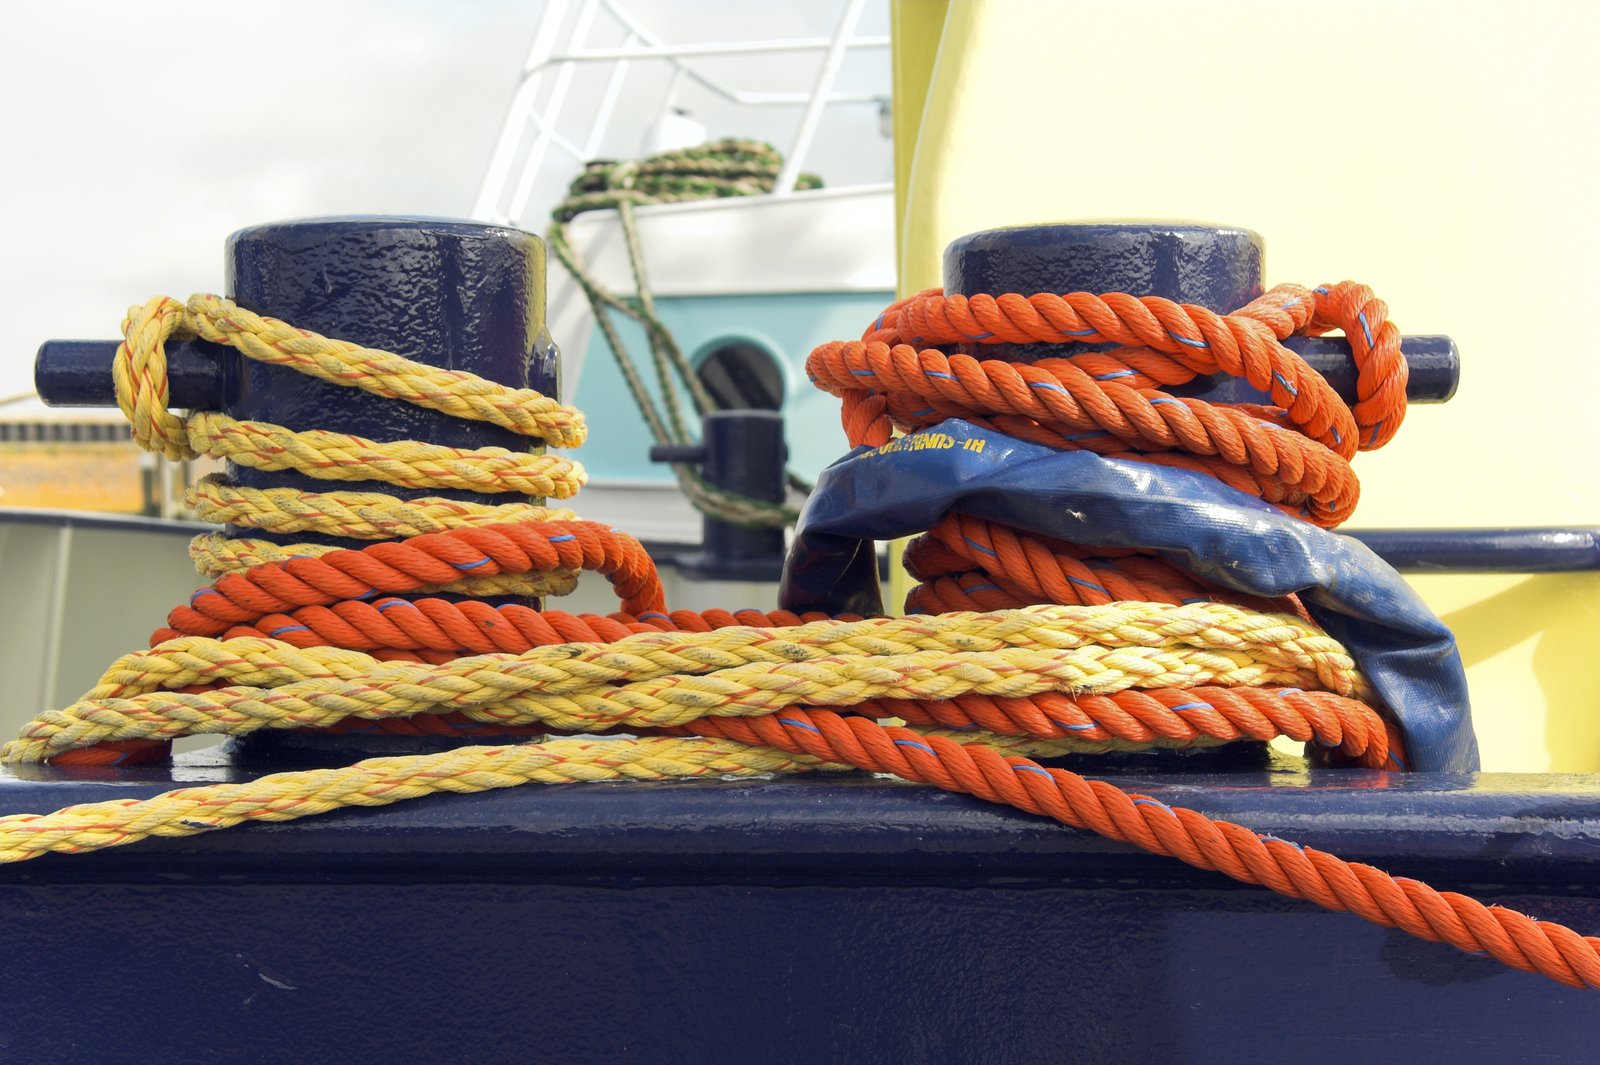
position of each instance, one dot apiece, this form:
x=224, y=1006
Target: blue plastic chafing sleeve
x=1193, y=521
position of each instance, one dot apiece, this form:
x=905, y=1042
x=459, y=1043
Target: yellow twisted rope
x=140, y=373
x=380, y=781
x=406, y=463
x=354, y=515
x=1273, y=639
x=663, y=679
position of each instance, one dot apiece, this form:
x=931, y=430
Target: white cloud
x=140, y=135
x=144, y=133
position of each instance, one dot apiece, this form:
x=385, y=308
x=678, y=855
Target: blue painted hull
x=838, y=919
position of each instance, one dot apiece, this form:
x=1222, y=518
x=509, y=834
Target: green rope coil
x=710, y=171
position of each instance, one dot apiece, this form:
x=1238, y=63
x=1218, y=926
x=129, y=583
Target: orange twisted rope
x=1197, y=341
x=1345, y=727
x=1108, y=403
x=1221, y=846
x=1294, y=456
x=1347, y=730
x=1023, y=569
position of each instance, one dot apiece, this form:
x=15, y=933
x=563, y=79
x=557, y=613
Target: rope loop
x=139, y=371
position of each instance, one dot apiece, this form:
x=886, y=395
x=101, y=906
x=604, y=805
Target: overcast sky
x=138, y=135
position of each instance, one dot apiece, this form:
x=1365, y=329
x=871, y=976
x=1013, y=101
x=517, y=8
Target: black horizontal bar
x=77, y=373
x=1433, y=363
x=1557, y=550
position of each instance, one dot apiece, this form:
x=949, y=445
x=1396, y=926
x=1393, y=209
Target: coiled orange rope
x=1294, y=455
x=972, y=564
x=1111, y=403
x=421, y=563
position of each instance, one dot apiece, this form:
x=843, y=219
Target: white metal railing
x=530, y=131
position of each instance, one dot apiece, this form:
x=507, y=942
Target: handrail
x=689, y=51
x=544, y=126
x=529, y=128
x=790, y=171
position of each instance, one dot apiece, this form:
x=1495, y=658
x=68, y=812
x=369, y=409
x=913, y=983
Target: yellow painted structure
x=1433, y=150
x=96, y=476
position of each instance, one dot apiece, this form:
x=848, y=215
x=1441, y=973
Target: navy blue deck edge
x=1489, y=828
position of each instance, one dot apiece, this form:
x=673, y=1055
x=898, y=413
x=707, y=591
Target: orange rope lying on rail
x=1345, y=728
x=1515, y=939
x=422, y=562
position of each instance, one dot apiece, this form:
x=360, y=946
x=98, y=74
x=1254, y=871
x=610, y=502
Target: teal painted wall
x=788, y=325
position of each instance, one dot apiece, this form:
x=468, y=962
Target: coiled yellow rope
x=140, y=374
x=354, y=515
x=665, y=679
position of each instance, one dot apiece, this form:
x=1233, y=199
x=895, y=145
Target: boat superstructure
x=747, y=284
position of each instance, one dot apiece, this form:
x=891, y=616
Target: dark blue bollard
x=460, y=295
x=1215, y=267
x=742, y=451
